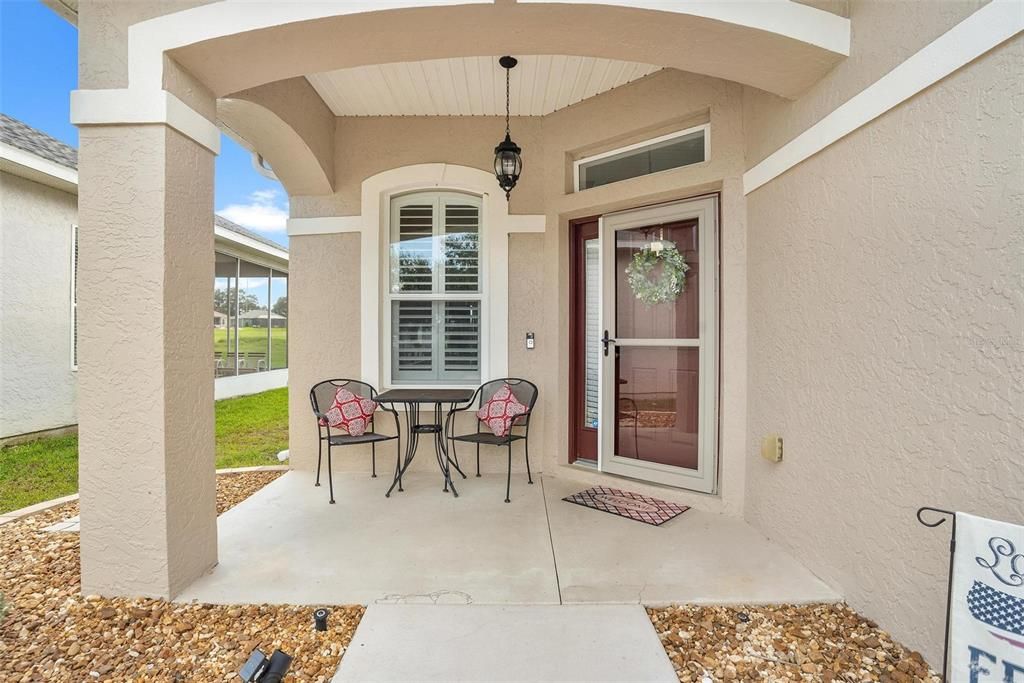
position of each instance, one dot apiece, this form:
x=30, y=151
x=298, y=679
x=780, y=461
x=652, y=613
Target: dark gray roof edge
x=222, y=222
x=28, y=139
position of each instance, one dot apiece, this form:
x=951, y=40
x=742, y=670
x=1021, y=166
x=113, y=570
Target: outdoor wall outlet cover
x=771, y=448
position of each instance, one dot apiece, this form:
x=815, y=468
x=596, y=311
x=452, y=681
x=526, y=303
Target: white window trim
x=73, y=299
x=706, y=127
x=386, y=295
x=376, y=196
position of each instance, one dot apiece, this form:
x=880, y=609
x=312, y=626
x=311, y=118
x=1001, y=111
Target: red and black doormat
x=653, y=511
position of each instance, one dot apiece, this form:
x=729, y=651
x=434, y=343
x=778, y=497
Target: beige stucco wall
x=884, y=33
x=538, y=269
x=887, y=343
x=323, y=333
x=146, y=457
x=37, y=381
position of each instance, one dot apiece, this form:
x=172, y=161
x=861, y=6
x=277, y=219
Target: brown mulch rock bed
x=52, y=633
x=824, y=642
x=232, y=489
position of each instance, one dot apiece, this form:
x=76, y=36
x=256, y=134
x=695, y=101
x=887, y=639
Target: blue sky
x=38, y=71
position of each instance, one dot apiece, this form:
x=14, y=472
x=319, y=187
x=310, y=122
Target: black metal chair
x=321, y=396
x=526, y=393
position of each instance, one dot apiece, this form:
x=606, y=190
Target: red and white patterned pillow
x=500, y=411
x=349, y=412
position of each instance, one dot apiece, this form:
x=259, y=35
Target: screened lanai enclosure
x=250, y=317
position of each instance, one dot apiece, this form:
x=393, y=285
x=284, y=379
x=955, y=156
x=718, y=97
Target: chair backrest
x=525, y=391
x=321, y=396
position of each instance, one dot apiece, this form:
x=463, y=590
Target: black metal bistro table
x=413, y=399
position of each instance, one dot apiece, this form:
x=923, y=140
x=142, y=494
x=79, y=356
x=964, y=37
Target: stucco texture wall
x=538, y=263
x=323, y=334
x=146, y=423
x=886, y=313
x=37, y=382
x=881, y=39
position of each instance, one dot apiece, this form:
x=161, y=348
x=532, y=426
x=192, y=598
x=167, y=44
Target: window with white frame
x=74, y=297
x=675, y=150
x=434, y=298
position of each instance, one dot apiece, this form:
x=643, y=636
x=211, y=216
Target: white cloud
x=263, y=213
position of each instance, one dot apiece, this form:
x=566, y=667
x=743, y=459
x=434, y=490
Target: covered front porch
x=286, y=544
x=411, y=267
x=740, y=137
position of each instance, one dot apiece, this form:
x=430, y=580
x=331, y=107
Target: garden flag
x=987, y=620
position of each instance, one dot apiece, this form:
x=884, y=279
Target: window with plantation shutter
x=434, y=292
x=74, y=297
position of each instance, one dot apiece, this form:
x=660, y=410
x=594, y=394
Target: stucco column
x=146, y=449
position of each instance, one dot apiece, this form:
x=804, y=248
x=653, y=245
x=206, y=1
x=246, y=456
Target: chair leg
x=330, y=473
x=508, y=476
x=319, y=455
x=455, y=458
x=398, y=464
x=373, y=460
x=478, y=460
x=529, y=475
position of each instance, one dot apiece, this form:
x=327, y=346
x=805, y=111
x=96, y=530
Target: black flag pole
x=949, y=578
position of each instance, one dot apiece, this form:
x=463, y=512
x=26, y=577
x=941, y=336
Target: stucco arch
x=291, y=128
x=779, y=46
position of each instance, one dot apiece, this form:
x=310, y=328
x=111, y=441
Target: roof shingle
x=28, y=139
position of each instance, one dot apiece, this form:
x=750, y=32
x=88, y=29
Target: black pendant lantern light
x=507, y=162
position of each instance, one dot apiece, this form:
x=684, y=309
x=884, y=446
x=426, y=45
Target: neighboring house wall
x=886, y=324
x=37, y=382
x=38, y=385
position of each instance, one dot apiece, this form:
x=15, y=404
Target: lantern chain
x=508, y=74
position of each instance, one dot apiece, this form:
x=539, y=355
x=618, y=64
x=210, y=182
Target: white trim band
x=330, y=225
x=148, y=40
x=34, y=167
x=239, y=240
x=987, y=28
x=783, y=17
x=129, y=106
x=251, y=383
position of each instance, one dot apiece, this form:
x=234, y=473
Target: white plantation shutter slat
x=435, y=289
x=592, y=333
x=415, y=248
x=461, y=248
x=413, y=337
x=462, y=337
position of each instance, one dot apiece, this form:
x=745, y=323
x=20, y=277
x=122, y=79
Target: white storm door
x=659, y=367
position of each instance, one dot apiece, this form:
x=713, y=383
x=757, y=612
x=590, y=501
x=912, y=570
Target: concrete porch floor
x=286, y=544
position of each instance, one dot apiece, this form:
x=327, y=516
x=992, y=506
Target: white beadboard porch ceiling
x=471, y=86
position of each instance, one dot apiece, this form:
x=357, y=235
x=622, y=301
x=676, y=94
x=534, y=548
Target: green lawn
x=253, y=340
x=251, y=430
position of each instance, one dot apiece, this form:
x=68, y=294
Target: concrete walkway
x=592, y=643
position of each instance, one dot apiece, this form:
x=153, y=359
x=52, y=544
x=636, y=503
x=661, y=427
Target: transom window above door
x=435, y=288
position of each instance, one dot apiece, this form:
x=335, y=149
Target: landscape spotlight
x=260, y=669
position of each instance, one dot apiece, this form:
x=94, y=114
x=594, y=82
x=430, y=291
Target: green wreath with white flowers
x=665, y=288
